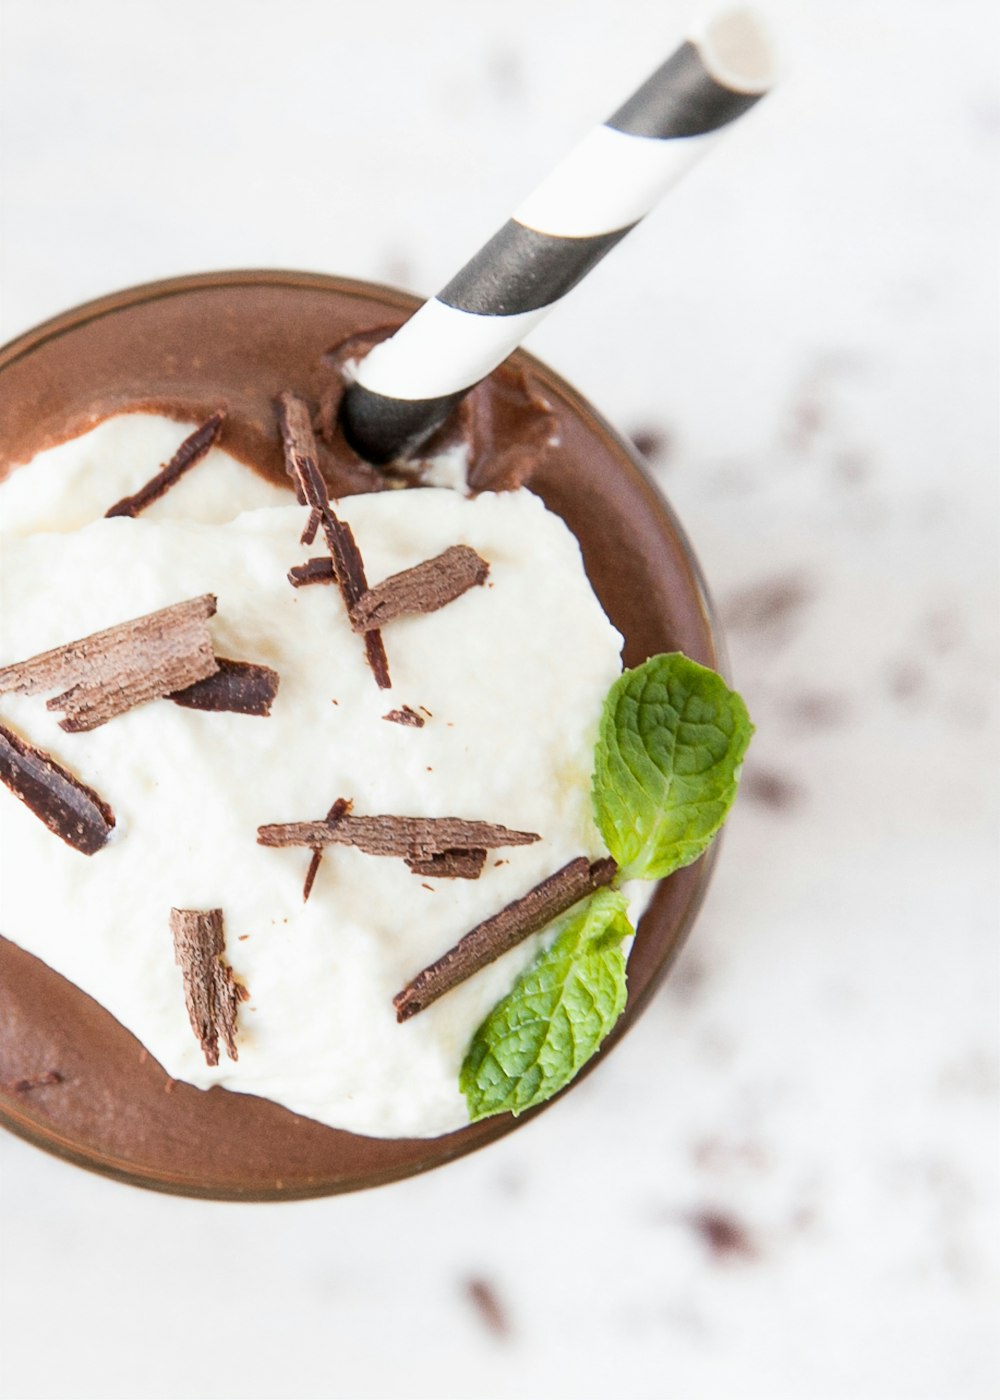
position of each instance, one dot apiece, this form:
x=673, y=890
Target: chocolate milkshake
x=224, y=350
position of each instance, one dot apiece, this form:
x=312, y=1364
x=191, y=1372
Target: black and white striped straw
x=406, y=387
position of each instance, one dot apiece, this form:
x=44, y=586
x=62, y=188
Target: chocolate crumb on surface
x=339, y=808
x=301, y=464
x=771, y=788
x=71, y=810
x=211, y=992
x=772, y=604
x=486, y=1302
x=416, y=838
x=652, y=443
x=406, y=715
x=239, y=687
x=725, y=1237
x=496, y=935
x=312, y=571
x=191, y=451
x=425, y=588
x=112, y=671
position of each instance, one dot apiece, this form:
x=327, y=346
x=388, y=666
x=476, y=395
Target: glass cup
x=240, y=338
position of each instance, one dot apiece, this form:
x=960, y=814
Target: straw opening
x=737, y=51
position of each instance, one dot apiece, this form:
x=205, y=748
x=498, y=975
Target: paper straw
x=407, y=386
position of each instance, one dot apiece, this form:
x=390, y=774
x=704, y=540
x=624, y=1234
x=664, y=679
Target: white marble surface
x=813, y=338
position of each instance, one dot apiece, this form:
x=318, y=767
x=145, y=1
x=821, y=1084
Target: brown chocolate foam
x=235, y=341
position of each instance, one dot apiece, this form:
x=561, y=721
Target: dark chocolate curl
x=112, y=671
x=416, y=838
x=312, y=571
x=422, y=589
x=211, y=993
x=239, y=687
x=301, y=462
x=335, y=813
x=191, y=451
x=71, y=810
x=503, y=931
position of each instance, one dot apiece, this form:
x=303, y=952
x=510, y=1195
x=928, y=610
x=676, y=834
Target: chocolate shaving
x=242, y=687
x=312, y=571
x=70, y=809
x=414, y=838
x=191, y=451
x=451, y=865
x=302, y=467
x=211, y=992
x=422, y=589
x=311, y=527
x=112, y=671
x=335, y=813
x=406, y=716
x=503, y=931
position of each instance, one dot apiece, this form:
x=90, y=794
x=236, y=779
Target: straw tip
x=737, y=50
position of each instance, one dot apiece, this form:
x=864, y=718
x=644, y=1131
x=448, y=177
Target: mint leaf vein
x=671, y=742
x=556, y=1015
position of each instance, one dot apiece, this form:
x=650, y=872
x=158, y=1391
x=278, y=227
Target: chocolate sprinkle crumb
x=191, y=451
x=406, y=716
x=423, y=589
x=503, y=931
x=211, y=993
x=112, y=671
x=70, y=809
x=241, y=687
x=301, y=464
x=312, y=571
x=412, y=838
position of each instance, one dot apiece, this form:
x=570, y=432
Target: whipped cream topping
x=513, y=676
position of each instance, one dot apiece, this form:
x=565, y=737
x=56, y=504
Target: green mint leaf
x=667, y=764
x=559, y=1010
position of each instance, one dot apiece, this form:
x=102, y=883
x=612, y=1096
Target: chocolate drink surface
x=185, y=348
